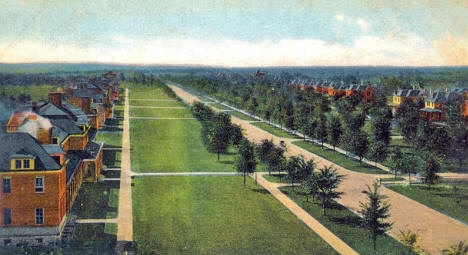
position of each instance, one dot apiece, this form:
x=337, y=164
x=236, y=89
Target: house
x=436, y=103
x=402, y=95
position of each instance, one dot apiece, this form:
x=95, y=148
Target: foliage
x=327, y=181
x=458, y=249
x=377, y=151
x=245, y=162
x=335, y=130
x=410, y=240
x=431, y=168
x=374, y=213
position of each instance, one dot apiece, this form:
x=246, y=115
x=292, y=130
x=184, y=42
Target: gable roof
x=25, y=144
x=67, y=126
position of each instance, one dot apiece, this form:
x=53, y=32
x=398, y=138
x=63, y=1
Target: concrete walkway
x=96, y=221
x=125, y=216
x=148, y=99
x=305, y=217
x=437, y=231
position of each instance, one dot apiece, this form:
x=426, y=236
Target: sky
x=238, y=33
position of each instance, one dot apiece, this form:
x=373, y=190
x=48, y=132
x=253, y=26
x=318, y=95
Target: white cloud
x=364, y=25
x=366, y=50
x=339, y=17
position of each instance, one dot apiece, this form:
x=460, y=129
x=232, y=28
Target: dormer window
x=22, y=162
x=83, y=128
x=55, y=140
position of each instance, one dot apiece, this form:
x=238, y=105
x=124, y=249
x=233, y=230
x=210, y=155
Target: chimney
x=56, y=98
x=35, y=107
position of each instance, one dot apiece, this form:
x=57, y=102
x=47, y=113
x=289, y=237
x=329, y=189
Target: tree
x=407, y=117
x=335, y=130
x=359, y=145
x=327, y=181
x=458, y=132
x=411, y=164
x=396, y=160
x=374, y=212
x=309, y=186
x=310, y=126
x=220, y=133
x=381, y=126
x=263, y=151
x=294, y=167
x=322, y=129
x=458, y=249
x=431, y=167
x=377, y=151
x=245, y=161
x=236, y=135
x=410, y=240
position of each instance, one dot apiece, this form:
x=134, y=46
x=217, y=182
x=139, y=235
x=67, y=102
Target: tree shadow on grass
x=349, y=220
x=109, y=159
x=263, y=191
x=226, y=162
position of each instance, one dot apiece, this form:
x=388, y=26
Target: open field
x=161, y=113
x=37, y=92
x=216, y=215
x=111, y=140
x=339, y=159
x=173, y=146
x=441, y=197
x=347, y=226
x=274, y=130
x=149, y=92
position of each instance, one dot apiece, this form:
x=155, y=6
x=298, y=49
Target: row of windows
x=39, y=184
x=38, y=212
x=22, y=163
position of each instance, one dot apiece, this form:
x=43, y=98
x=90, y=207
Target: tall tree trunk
x=244, y=178
x=409, y=178
x=218, y=155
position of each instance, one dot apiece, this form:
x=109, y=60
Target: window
x=39, y=240
x=26, y=163
x=57, y=159
x=39, y=184
x=55, y=140
x=7, y=216
x=6, y=185
x=39, y=215
x=17, y=164
x=6, y=242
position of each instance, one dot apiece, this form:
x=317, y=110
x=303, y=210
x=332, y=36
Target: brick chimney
x=35, y=107
x=56, y=98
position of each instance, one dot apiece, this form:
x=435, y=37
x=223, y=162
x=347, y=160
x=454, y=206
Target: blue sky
x=236, y=33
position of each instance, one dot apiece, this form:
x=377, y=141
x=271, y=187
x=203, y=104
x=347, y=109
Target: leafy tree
x=396, y=160
x=411, y=164
x=381, y=126
x=374, y=212
x=322, y=129
x=377, y=151
x=439, y=141
x=458, y=132
x=458, y=249
x=359, y=145
x=407, y=117
x=335, y=130
x=263, y=151
x=327, y=181
x=309, y=186
x=245, y=161
x=236, y=135
x=431, y=168
x=294, y=167
x=310, y=126
x=220, y=133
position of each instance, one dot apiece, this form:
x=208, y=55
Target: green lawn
x=97, y=200
x=156, y=103
x=339, y=158
x=161, y=113
x=241, y=116
x=215, y=215
x=150, y=92
x=347, y=226
x=110, y=139
x=274, y=130
x=173, y=145
x=277, y=178
x=440, y=197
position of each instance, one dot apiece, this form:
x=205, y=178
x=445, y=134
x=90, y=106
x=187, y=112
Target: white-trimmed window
x=39, y=184
x=39, y=215
x=26, y=163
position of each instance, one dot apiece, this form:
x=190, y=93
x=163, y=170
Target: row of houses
x=367, y=92
x=436, y=102
x=48, y=150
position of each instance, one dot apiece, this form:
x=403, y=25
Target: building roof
x=82, y=118
x=91, y=151
x=430, y=110
x=442, y=97
x=25, y=144
x=67, y=125
x=53, y=148
x=73, y=162
x=409, y=93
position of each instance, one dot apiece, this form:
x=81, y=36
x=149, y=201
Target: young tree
x=410, y=240
x=335, y=130
x=431, y=168
x=411, y=164
x=377, y=151
x=236, y=135
x=381, y=126
x=322, y=129
x=309, y=186
x=396, y=160
x=407, y=117
x=458, y=249
x=294, y=167
x=220, y=133
x=245, y=161
x=310, y=126
x=327, y=181
x=374, y=212
x=263, y=151
x=359, y=145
